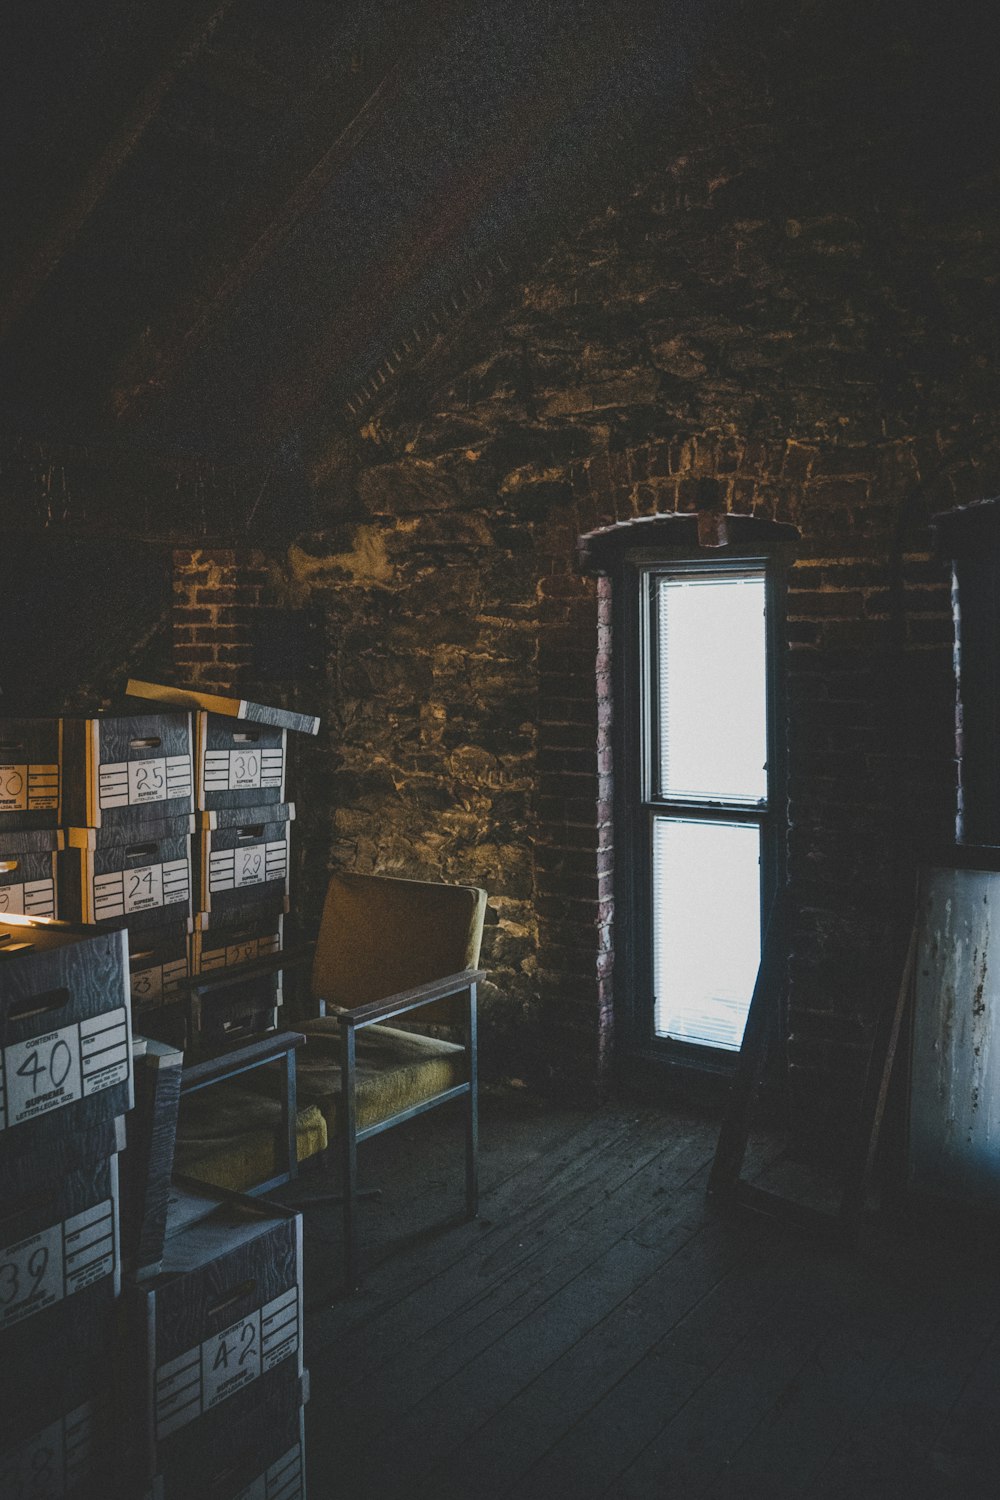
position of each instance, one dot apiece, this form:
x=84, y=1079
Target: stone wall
x=788, y=317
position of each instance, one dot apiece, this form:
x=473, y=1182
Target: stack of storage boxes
x=65, y=1084
x=30, y=837
x=128, y=803
x=244, y=836
x=218, y=1335
x=243, y=865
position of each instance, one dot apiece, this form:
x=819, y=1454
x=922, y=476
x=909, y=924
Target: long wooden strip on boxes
x=146, y=881
x=119, y=771
x=65, y=1032
x=244, y=858
x=29, y=773
x=238, y=764
x=148, y=1161
x=29, y=872
x=220, y=703
x=221, y=1325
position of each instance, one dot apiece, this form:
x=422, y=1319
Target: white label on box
x=241, y=770
x=54, y=1461
x=205, y=1376
x=41, y=1074
x=279, y=1328
x=31, y=1276
x=131, y=783
x=29, y=788
x=50, y=1071
x=282, y=1481
x=104, y=1051
x=240, y=953
x=144, y=889
x=151, y=986
x=230, y=1360
x=251, y=864
x=46, y=1267
x=89, y=1246
x=35, y=898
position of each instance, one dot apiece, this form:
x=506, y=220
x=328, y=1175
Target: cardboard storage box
x=238, y=764
x=61, y=1260
x=250, y=1007
x=233, y=939
x=144, y=881
x=219, y=1330
x=29, y=871
x=244, y=859
x=65, y=1033
x=159, y=965
x=259, y=1457
x=220, y=703
x=29, y=773
x=120, y=771
x=57, y=1417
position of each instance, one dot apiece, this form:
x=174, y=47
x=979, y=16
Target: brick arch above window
x=691, y=532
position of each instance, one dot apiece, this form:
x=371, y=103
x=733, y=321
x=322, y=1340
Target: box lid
x=219, y=703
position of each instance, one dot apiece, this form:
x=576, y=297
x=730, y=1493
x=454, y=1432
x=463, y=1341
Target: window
x=698, y=831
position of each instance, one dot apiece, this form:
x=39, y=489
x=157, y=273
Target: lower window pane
x=706, y=929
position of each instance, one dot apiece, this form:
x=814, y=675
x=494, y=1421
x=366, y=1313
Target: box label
x=46, y=1267
x=53, y=1462
x=211, y=1372
x=132, y=783
x=247, y=865
x=283, y=1480
x=123, y=891
x=240, y=953
x=29, y=788
x=240, y=770
x=151, y=986
x=33, y=898
x=48, y=1072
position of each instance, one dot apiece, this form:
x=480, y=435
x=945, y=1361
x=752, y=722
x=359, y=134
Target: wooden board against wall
x=954, y=1127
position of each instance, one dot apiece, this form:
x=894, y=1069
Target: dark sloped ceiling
x=221, y=216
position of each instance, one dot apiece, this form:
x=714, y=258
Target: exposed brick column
x=573, y=853
x=216, y=591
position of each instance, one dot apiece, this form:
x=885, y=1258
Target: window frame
x=636, y=806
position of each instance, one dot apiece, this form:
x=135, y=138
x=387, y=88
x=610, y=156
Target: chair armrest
x=240, y=1060
x=406, y=1000
x=221, y=979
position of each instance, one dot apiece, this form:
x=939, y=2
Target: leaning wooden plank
x=861, y=1165
x=761, y=1019
x=219, y=703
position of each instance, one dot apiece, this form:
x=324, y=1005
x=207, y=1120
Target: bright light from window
x=706, y=929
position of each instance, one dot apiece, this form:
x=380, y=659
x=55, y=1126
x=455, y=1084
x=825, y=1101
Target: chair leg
x=350, y=1155
x=472, y=1111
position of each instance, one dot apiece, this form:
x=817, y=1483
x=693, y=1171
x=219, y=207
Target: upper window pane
x=711, y=687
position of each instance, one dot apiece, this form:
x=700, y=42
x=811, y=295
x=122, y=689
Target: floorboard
x=604, y=1330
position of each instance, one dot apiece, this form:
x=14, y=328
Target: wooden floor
x=602, y=1330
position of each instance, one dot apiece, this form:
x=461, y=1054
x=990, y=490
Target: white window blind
x=711, y=688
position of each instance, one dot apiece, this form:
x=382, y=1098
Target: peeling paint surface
x=954, y=1146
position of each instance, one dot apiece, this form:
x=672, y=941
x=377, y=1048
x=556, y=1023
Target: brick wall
x=215, y=592
x=784, y=319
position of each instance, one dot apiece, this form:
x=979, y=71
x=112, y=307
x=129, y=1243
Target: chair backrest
x=380, y=935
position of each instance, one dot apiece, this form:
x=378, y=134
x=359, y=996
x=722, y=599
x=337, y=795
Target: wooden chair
x=388, y=950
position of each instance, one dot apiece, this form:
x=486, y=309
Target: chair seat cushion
x=395, y=1070
x=229, y=1135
